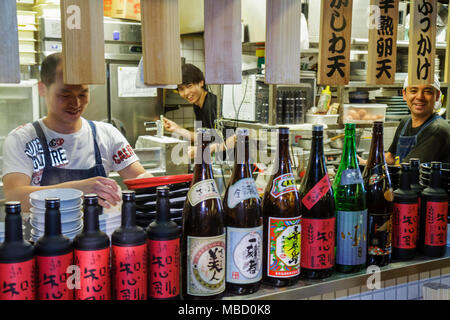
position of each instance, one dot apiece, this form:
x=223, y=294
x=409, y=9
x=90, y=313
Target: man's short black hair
x=192, y=75
x=48, y=68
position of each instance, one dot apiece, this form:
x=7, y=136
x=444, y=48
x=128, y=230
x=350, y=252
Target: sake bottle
x=351, y=209
x=54, y=255
x=129, y=254
x=92, y=255
x=203, y=243
x=380, y=197
x=164, y=238
x=17, y=259
x=434, y=215
x=243, y=221
x=281, y=210
x=318, y=214
x=405, y=217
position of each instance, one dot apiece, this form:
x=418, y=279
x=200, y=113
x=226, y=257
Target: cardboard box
x=126, y=9
x=107, y=8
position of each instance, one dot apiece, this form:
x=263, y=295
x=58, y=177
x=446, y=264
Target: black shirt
x=433, y=144
x=208, y=113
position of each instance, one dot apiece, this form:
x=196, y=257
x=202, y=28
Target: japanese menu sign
x=422, y=42
x=334, y=42
x=382, y=49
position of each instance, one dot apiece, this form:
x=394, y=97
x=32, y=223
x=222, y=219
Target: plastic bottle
x=324, y=100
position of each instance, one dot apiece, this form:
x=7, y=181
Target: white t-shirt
x=23, y=153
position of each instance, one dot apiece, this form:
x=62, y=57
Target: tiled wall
x=408, y=287
x=192, y=51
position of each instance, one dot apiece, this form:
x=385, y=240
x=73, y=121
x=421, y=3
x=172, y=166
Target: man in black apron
x=424, y=134
x=65, y=106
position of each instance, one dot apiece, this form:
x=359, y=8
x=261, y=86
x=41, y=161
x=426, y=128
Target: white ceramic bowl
x=65, y=227
x=65, y=216
x=68, y=197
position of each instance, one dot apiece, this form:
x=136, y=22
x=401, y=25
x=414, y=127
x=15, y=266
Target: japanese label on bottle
x=94, y=274
x=203, y=190
x=284, y=247
x=129, y=272
x=375, y=178
x=436, y=223
x=317, y=192
x=164, y=268
x=52, y=277
x=244, y=255
x=351, y=237
x=206, y=265
x=380, y=234
x=318, y=240
x=18, y=282
x=404, y=225
x=283, y=184
x=351, y=176
x=243, y=189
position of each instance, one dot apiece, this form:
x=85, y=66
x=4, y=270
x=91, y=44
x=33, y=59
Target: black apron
x=53, y=175
x=406, y=143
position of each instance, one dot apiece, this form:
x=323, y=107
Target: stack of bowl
x=70, y=208
x=425, y=175
x=2, y=232
x=110, y=220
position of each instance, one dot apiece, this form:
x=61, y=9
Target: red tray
x=157, y=181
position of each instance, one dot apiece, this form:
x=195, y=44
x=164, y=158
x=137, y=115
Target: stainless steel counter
x=340, y=281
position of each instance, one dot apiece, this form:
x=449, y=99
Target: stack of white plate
x=70, y=208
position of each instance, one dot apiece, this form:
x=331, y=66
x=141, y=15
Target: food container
x=322, y=118
x=364, y=112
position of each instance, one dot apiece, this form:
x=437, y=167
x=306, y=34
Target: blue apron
x=53, y=175
x=406, y=143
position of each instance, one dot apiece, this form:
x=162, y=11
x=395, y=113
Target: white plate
x=68, y=197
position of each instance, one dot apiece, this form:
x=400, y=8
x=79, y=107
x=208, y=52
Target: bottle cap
x=283, y=130
x=350, y=126
x=90, y=199
x=162, y=191
x=405, y=167
x=242, y=132
x=436, y=165
x=52, y=203
x=317, y=128
x=12, y=205
x=128, y=195
x=415, y=162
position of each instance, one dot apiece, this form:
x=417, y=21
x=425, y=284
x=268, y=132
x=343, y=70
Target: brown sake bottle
x=380, y=197
x=318, y=214
x=243, y=221
x=281, y=221
x=203, y=242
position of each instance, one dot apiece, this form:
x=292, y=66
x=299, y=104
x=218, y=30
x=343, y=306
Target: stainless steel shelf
x=340, y=281
x=294, y=127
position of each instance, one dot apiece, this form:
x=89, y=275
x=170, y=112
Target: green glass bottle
x=351, y=209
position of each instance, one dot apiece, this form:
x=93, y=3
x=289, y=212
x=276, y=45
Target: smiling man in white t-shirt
x=64, y=150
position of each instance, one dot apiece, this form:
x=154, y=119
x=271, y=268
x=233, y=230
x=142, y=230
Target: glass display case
x=19, y=104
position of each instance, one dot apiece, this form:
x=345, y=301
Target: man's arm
x=390, y=158
x=16, y=186
x=134, y=171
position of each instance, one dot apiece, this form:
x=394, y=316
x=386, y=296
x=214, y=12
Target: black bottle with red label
x=405, y=218
x=16, y=255
x=433, y=216
x=92, y=255
x=129, y=254
x=54, y=254
x=417, y=188
x=164, y=237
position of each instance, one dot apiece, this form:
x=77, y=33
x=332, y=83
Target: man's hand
x=361, y=161
x=108, y=191
x=169, y=125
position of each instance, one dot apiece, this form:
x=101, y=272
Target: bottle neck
x=163, y=209
x=241, y=158
x=284, y=163
x=91, y=218
x=415, y=175
x=435, y=179
x=376, y=153
x=13, y=227
x=128, y=214
x=316, y=165
x=405, y=181
x=349, y=150
x=203, y=162
x=52, y=222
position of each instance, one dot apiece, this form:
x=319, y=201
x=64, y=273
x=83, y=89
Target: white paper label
x=243, y=189
x=203, y=190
